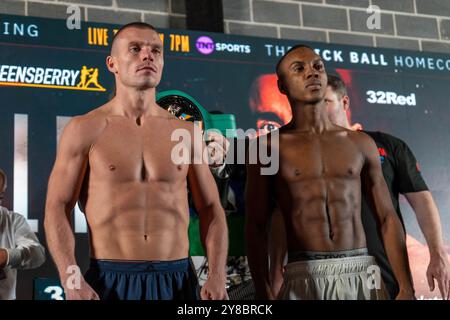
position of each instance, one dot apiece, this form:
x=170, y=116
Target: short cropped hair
x=277, y=69
x=137, y=24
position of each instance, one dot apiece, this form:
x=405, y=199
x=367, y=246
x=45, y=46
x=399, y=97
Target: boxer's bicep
x=257, y=190
x=375, y=186
x=256, y=197
x=202, y=186
x=69, y=168
x=201, y=182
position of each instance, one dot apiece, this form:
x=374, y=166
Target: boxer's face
x=302, y=76
x=137, y=58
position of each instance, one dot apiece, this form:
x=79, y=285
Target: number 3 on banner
x=55, y=291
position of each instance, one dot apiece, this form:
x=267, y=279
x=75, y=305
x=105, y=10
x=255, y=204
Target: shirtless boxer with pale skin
x=117, y=161
x=318, y=190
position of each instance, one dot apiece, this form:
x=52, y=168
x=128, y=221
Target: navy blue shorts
x=143, y=280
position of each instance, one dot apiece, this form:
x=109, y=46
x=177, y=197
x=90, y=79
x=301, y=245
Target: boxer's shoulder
x=177, y=123
x=358, y=137
x=364, y=143
x=84, y=129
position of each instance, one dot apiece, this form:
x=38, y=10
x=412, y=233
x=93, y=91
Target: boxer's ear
x=111, y=64
x=281, y=87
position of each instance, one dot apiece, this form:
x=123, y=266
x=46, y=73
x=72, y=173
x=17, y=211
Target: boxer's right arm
x=256, y=230
x=277, y=250
x=63, y=190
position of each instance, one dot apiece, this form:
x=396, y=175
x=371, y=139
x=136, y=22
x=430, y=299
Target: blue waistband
x=140, y=266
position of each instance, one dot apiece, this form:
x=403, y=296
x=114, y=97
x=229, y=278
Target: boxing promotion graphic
x=49, y=74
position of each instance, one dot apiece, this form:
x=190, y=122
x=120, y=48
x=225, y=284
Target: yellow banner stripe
x=49, y=86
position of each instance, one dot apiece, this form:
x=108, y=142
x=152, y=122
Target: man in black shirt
x=402, y=174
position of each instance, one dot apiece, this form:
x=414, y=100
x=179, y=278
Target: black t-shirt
x=402, y=174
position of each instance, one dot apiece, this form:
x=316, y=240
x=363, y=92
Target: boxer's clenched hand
x=214, y=289
x=405, y=295
x=217, y=146
x=84, y=292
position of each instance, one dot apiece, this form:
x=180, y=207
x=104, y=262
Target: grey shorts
x=355, y=276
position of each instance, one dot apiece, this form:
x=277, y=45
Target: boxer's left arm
x=391, y=229
x=257, y=221
x=213, y=226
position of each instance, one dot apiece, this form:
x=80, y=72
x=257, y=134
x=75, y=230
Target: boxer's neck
x=310, y=117
x=137, y=103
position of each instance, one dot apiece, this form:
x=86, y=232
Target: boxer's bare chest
x=306, y=157
x=128, y=151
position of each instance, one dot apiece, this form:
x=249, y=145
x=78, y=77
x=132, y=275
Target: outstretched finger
x=442, y=287
x=448, y=289
x=430, y=281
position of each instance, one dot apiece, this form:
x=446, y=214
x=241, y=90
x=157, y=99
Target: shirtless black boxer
x=318, y=190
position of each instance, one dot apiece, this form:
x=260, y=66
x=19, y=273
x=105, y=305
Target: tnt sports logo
x=383, y=154
x=205, y=45
x=86, y=79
